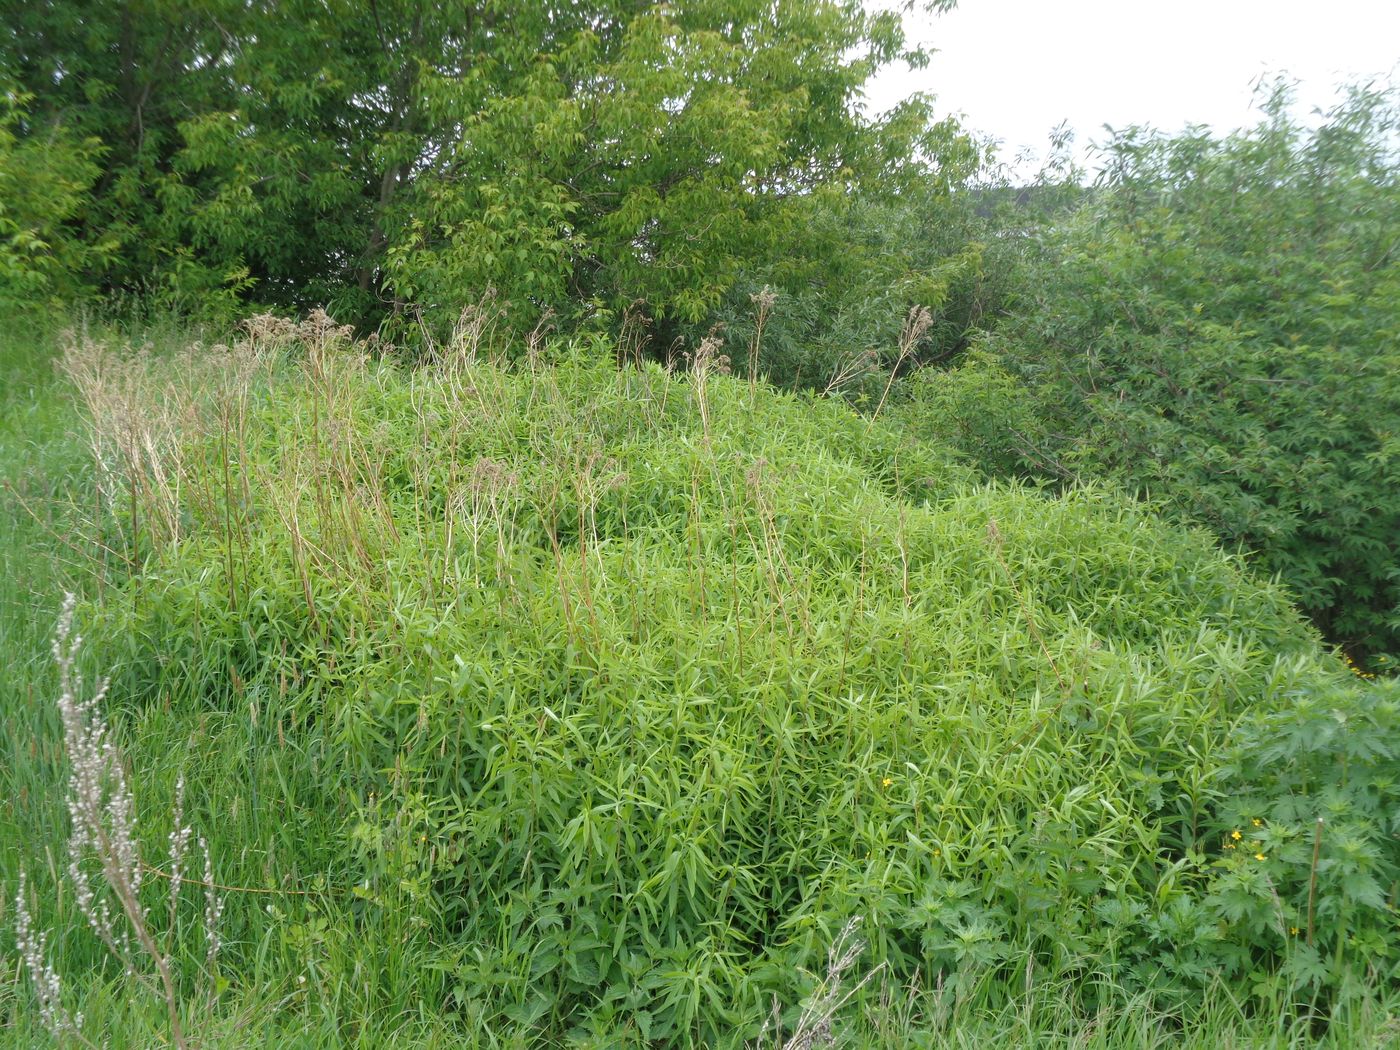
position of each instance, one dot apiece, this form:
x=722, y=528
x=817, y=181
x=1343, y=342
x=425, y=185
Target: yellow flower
x=1236, y=835
x=1258, y=823
x=1293, y=930
x=1260, y=856
x=1229, y=845
x=886, y=782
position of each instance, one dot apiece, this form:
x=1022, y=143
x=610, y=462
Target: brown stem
x=126, y=895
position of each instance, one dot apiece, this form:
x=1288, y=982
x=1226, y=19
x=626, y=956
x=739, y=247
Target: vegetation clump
x=744, y=573
x=1214, y=328
x=620, y=692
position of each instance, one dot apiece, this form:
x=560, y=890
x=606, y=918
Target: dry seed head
x=48, y=988
x=179, y=844
x=213, y=907
x=708, y=357
x=916, y=326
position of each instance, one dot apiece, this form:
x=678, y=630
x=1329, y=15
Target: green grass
x=575, y=706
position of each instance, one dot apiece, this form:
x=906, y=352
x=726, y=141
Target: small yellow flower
x=1236, y=835
x=1260, y=856
x=1229, y=845
x=938, y=853
x=1293, y=930
x=886, y=782
x=1258, y=823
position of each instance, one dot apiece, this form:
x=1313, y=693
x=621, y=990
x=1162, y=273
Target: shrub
x=1215, y=329
x=631, y=690
x=1309, y=869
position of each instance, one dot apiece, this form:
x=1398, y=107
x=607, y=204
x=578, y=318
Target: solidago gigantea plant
x=632, y=688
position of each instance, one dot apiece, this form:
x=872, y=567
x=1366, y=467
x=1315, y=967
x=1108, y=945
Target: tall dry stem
x=707, y=359
x=850, y=369
x=814, y=1028
x=916, y=326
x=763, y=302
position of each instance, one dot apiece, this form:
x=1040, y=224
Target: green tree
x=126, y=75
x=646, y=154
x=45, y=177
x=398, y=157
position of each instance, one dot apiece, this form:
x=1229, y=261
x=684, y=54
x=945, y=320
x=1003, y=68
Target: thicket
x=593, y=703
x=1215, y=329
x=45, y=182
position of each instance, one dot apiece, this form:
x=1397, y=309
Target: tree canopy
x=401, y=156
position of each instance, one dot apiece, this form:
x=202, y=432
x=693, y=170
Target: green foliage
x=1316, y=793
x=623, y=691
x=651, y=157
x=126, y=75
x=1216, y=328
x=398, y=158
x=852, y=267
x=46, y=174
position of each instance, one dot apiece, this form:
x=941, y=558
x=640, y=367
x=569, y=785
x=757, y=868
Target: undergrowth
x=552, y=702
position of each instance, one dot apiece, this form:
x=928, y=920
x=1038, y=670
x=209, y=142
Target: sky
x=1016, y=68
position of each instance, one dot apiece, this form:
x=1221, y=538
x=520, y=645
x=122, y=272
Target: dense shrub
x=850, y=268
x=1216, y=328
x=629, y=690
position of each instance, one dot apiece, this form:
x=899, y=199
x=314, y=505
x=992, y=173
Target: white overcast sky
x=1017, y=68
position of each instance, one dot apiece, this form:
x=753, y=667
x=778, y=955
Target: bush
x=630, y=690
x=1215, y=329
x=849, y=267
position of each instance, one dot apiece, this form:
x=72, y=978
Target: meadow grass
x=391, y=626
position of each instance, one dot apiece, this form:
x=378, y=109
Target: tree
x=397, y=157
x=125, y=75
x=645, y=153
x=45, y=178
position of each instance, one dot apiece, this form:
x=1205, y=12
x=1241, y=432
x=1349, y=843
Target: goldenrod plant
x=556, y=702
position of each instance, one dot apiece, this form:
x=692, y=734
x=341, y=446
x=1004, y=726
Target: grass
x=560, y=705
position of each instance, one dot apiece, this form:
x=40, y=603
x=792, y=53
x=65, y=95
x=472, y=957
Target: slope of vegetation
x=746, y=575
x=558, y=702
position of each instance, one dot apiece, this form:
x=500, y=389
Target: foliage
x=1216, y=328
x=852, y=269
x=615, y=694
x=126, y=75
x=106, y=869
x=650, y=157
x=400, y=157
x=1316, y=793
x=46, y=173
